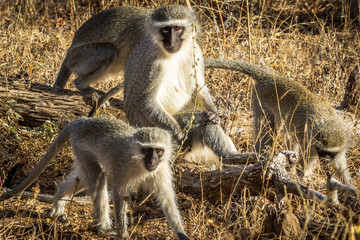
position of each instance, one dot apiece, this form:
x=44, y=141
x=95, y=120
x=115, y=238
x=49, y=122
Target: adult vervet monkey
x=164, y=75
x=110, y=150
x=102, y=45
x=316, y=128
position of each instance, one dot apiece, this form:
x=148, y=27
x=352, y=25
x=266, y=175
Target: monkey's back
x=111, y=25
x=303, y=110
x=100, y=133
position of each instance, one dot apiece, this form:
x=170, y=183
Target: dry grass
x=311, y=41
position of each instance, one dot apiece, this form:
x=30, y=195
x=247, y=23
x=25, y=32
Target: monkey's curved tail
x=251, y=69
x=50, y=154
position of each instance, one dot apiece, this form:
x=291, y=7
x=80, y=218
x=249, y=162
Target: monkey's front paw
x=213, y=117
x=178, y=134
x=62, y=217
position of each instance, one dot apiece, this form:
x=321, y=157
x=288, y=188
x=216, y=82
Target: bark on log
x=36, y=103
x=220, y=184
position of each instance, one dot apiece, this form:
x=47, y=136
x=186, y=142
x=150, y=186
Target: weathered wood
x=231, y=179
x=35, y=103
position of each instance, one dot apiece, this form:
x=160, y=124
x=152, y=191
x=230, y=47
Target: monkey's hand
x=213, y=117
x=178, y=133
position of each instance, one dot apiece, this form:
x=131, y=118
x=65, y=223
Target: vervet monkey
x=203, y=135
x=316, y=127
x=102, y=45
x=164, y=75
x=110, y=150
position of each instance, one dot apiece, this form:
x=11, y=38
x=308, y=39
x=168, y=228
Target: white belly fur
x=178, y=82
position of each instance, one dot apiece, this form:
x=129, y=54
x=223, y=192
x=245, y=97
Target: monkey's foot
x=61, y=217
x=125, y=235
x=92, y=93
x=57, y=211
x=110, y=233
x=182, y=236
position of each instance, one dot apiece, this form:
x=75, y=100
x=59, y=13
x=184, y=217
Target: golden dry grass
x=313, y=42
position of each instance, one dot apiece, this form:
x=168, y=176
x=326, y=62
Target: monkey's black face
x=326, y=154
x=152, y=157
x=172, y=38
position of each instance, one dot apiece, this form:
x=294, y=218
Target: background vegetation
x=312, y=41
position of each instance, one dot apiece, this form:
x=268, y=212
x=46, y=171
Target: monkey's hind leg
x=91, y=63
x=264, y=125
x=62, y=76
x=341, y=167
x=73, y=184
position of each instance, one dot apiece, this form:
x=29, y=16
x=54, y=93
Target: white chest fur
x=182, y=74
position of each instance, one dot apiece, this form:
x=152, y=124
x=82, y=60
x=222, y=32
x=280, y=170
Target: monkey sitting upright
x=110, y=150
x=316, y=127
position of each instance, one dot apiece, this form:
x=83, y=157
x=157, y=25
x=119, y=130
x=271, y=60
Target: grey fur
x=102, y=45
x=104, y=42
x=277, y=100
x=109, y=149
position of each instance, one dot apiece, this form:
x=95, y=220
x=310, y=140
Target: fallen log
x=36, y=103
x=231, y=179
x=220, y=185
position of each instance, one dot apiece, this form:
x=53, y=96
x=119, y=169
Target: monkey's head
x=155, y=146
x=172, y=27
x=152, y=156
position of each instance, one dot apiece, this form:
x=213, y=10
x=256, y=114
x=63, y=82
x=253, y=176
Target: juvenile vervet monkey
x=110, y=150
x=316, y=128
x=102, y=45
x=204, y=135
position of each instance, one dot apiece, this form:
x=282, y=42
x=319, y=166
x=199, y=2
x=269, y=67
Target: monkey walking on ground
x=110, y=150
x=317, y=129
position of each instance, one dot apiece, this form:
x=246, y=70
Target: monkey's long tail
x=251, y=69
x=50, y=154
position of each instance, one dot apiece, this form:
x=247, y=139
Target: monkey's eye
x=178, y=29
x=165, y=29
x=159, y=151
